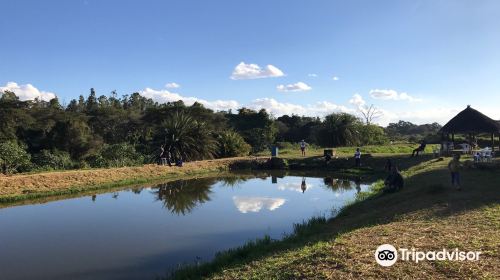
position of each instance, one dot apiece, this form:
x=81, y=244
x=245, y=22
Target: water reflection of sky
x=141, y=232
x=247, y=204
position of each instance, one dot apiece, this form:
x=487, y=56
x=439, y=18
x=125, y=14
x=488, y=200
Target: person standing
x=454, y=167
x=357, y=158
x=163, y=158
x=303, y=147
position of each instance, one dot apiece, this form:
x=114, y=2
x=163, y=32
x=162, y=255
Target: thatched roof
x=471, y=121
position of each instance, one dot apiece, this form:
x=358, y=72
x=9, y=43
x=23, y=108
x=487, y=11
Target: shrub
x=116, y=155
x=372, y=135
x=13, y=158
x=53, y=160
x=231, y=144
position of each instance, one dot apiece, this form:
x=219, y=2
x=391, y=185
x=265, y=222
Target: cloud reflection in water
x=247, y=204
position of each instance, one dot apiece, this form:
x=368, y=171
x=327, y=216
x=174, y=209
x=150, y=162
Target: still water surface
x=144, y=232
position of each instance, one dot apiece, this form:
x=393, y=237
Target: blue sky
x=421, y=61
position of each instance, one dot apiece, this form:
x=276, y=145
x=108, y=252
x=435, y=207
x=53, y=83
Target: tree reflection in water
x=338, y=184
x=181, y=197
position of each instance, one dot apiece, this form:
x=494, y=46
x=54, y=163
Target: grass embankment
x=427, y=215
x=32, y=186
x=40, y=185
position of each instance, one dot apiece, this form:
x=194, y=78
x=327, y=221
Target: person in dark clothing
x=328, y=157
x=394, y=182
x=388, y=166
x=420, y=148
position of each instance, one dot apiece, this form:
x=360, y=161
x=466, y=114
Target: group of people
x=167, y=159
x=395, y=181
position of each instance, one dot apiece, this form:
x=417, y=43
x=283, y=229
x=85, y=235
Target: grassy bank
x=427, y=215
x=56, y=183
x=32, y=186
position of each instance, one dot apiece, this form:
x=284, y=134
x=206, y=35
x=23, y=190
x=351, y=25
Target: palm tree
x=187, y=138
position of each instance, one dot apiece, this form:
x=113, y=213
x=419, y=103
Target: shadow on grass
x=427, y=188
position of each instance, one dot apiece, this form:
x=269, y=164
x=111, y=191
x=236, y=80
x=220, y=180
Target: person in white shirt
x=303, y=147
x=357, y=157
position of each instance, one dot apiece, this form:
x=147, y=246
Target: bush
x=13, y=158
x=372, y=135
x=52, y=160
x=116, y=155
x=231, y=144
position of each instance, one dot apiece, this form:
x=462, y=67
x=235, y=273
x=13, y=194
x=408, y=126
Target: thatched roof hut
x=471, y=121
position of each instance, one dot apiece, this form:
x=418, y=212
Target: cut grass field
x=427, y=215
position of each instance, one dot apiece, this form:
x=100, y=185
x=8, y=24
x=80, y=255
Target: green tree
x=339, y=129
x=257, y=128
x=372, y=135
x=13, y=158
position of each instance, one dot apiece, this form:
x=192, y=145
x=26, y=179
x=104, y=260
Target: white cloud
x=357, y=100
x=245, y=71
x=275, y=107
x=27, y=92
x=164, y=96
x=172, y=85
x=320, y=109
x=255, y=204
x=312, y=75
x=335, y=78
x=300, y=86
x=390, y=94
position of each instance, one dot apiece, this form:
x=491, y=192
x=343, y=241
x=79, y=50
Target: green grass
x=290, y=150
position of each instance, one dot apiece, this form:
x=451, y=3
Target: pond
x=144, y=232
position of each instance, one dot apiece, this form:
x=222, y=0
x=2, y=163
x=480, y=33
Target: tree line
x=112, y=131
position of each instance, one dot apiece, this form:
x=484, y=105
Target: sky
x=419, y=61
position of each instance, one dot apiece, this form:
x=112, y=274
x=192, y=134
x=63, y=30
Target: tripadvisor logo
x=387, y=255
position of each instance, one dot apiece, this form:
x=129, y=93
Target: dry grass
x=60, y=182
